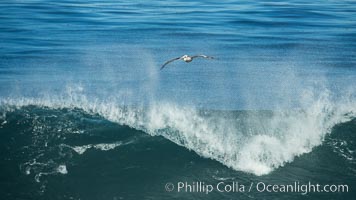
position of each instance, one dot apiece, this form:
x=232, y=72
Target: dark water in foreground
x=85, y=112
x=68, y=154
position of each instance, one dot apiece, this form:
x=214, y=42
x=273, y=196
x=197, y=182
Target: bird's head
x=185, y=56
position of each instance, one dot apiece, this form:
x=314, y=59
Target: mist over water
x=81, y=93
x=254, y=141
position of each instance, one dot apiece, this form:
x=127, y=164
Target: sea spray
x=252, y=141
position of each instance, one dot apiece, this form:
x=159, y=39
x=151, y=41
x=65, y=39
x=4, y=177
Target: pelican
x=186, y=59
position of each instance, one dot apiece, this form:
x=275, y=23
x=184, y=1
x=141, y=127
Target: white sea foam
x=81, y=149
x=252, y=142
x=103, y=146
x=344, y=149
x=62, y=169
x=42, y=168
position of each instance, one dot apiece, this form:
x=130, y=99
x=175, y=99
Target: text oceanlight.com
x=295, y=187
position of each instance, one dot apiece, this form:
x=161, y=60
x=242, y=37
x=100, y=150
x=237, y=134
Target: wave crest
x=252, y=141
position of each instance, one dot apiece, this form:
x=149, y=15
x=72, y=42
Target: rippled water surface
x=86, y=112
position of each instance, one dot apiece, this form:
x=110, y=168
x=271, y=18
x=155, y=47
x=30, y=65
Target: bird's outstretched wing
x=169, y=61
x=203, y=56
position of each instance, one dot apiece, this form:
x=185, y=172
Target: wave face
x=85, y=112
x=56, y=141
x=252, y=141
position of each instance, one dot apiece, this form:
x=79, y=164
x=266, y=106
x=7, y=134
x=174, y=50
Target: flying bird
x=186, y=59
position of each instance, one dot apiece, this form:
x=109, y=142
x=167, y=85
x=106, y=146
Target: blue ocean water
x=260, y=46
x=85, y=112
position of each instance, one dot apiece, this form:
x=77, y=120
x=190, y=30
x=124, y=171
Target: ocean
x=86, y=113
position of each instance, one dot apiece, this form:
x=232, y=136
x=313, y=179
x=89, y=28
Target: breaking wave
x=253, y=141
